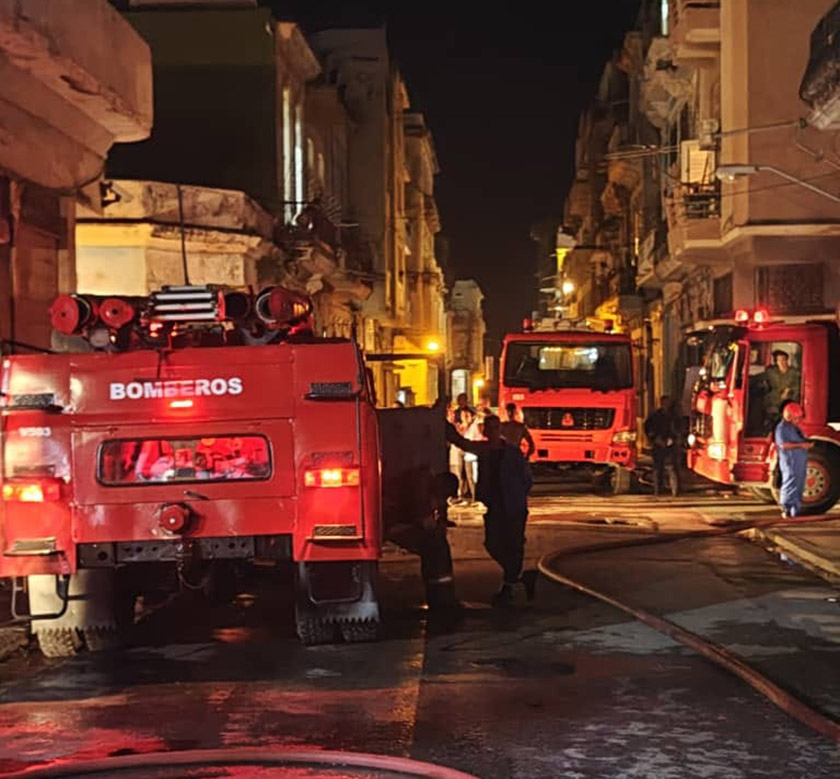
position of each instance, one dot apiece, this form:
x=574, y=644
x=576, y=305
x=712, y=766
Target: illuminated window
x=288, y=169
x=665, y=17
x=299, y=196
x=163, y=460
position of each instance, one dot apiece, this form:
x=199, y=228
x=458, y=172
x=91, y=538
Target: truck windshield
x=163, y=460
x=552, y=365
x=719, y=359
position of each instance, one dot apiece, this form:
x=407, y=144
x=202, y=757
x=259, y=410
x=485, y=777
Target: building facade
x=64, y=102
x=698, y=87
x=466, y=330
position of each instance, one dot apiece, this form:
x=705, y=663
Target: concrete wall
x=764, y=51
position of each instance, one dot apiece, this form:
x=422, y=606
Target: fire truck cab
x=574, y=388
x=752, y=366
x=192, y=428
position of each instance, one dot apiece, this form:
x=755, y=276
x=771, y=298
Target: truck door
x=737, y=384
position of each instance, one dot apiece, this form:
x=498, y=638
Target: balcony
x=693, y=213
x=695, y=28
x=820, y=86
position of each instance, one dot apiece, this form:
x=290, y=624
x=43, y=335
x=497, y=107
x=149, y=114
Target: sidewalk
x=816, y=546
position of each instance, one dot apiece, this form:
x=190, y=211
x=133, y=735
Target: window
x=166, y=460
x=288, y=167
x=791, y=289
x=299, y=195
x=775, y=376
x=723, y=294
x=554, y=365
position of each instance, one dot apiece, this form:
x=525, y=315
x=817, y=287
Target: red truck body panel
x=288, y=408
x=575, y=424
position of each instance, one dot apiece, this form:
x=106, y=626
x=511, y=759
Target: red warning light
x=742, y=315
x=761, y=316
x=527, y=324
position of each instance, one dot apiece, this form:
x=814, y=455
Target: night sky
x=502, y=91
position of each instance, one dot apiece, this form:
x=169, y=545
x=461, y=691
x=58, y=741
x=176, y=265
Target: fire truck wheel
x=822, y=480
x=99, y=639
x=312, y=630
x=59, y=642
x=359, y=631
x=89, y=617
x=620, y=480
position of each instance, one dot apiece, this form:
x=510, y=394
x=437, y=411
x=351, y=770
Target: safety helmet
x=792, y=412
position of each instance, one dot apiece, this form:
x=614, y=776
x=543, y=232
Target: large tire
x=822, y=481
x=359, y=631
x=312, y=630
x=621, y=480
x=60, y=642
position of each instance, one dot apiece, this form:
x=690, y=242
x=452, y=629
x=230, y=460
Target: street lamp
x=432, y=346
x=731, y=172
x=568, y=287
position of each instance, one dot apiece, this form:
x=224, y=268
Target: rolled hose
x=784, y=700
x=244, y=756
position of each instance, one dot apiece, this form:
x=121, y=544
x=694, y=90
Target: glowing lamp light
x=568, y=287
x=717, y=450
x=332, y=477
x=742, y=315
x=479, y=383
x=184, y=403
x=31, y=492
x=432, y=346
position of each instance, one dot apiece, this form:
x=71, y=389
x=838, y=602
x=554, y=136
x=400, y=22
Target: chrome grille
x=560, y=418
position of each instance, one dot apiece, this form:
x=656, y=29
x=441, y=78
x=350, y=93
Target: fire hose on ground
x=326, y=760
x=783, y=699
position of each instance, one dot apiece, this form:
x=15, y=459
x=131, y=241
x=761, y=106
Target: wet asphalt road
x=564, y=687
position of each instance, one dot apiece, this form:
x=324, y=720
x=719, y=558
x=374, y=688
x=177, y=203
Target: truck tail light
x=40, y=491
x=624, y=437
x=332, y=477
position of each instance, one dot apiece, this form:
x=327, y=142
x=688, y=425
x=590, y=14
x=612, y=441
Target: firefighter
x=662, y=430
x=515, y=432
x=782, y=383
x=504, y=481
x=793, y=447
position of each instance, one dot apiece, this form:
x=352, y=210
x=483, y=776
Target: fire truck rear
x=195, y=427
x=575, y=389
x=753, y=365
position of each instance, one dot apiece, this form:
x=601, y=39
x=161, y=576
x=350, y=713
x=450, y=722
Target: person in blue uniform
x=793, y=447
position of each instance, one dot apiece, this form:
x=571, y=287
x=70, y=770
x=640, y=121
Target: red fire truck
x=753, y=365
x=575, y=389
x=193, y=427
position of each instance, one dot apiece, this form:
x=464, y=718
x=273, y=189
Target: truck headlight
x=717, y=450
x=624, y=437
x=691, y=439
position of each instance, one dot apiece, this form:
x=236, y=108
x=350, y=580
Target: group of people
x=487, y=457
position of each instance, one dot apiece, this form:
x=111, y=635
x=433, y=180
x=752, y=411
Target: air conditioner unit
x=708, y=134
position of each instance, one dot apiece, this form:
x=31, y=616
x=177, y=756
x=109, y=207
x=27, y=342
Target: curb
x=781, y=542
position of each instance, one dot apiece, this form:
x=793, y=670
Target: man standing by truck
x=793, y=449
x=504, y=481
